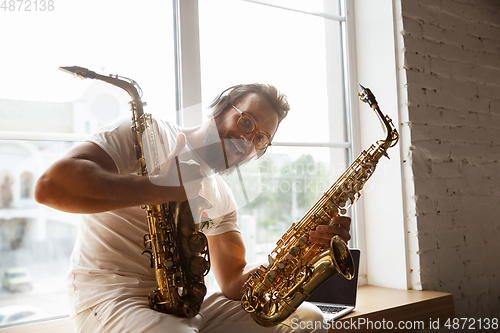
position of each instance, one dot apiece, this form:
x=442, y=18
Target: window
x=26, y=185
x=297, y=47
x=44, y=112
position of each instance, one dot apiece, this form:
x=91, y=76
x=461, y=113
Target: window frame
x=188, y=40
x=189, y=113
x=386, y=215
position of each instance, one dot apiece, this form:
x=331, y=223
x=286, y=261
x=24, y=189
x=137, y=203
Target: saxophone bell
x=338, y=260
x=341, y=257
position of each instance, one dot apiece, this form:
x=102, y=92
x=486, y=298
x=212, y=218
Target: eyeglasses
x=246, y=124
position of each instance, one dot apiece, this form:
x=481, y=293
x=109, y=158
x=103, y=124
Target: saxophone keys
x=199, y=290
x=198, y=266
x=147, y=241
x=268, y=279
x=151, y=258
x=177, y=279
x=249, y=302
x=197, y=242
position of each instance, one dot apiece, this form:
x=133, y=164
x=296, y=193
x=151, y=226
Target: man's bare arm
x=227, y=258
x=86, y=181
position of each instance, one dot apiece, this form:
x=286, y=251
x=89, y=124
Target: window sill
x=62, y=325
x=376, y=306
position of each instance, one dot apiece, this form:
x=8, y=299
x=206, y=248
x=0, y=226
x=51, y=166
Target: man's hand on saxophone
x=186, y=174
x=341, y=225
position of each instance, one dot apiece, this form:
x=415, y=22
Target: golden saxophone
x=179, y=251
x=296, y=266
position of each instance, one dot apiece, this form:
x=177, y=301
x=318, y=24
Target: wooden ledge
x=61, y=325
x=376, y=309
x=383, y=309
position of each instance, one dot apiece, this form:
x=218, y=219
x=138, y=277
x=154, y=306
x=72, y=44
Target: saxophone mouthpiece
x=367, y=96
x=81, y=72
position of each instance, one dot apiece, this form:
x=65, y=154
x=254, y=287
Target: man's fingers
x=343, y=221
x=328, y=232
x=340, y=225
x=340, y=222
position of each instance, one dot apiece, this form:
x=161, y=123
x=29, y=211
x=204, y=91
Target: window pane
x=278, y=189
x=244, y=42
x=300, y=54
x=108, y=37
x=35, y=241
x=316, y=6
x=292, y=181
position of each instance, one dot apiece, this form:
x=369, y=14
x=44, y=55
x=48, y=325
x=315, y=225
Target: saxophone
x=296, y=266
x=178, y=250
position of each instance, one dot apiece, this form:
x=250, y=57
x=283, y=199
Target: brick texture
x=452, y=62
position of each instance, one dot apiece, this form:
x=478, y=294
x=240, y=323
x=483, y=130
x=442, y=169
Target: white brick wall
x=452, y=61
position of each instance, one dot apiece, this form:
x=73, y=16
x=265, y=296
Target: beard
x=214, y=144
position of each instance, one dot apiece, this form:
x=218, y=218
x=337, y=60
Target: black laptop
x=336, y=297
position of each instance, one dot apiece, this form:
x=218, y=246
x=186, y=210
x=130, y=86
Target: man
x=109, y=279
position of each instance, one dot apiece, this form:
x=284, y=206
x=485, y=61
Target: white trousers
x=217, y=314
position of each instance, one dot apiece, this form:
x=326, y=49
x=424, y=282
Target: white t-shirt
x=107, y=260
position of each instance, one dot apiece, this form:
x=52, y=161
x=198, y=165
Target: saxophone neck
x=391, y=133
x=129, y=85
